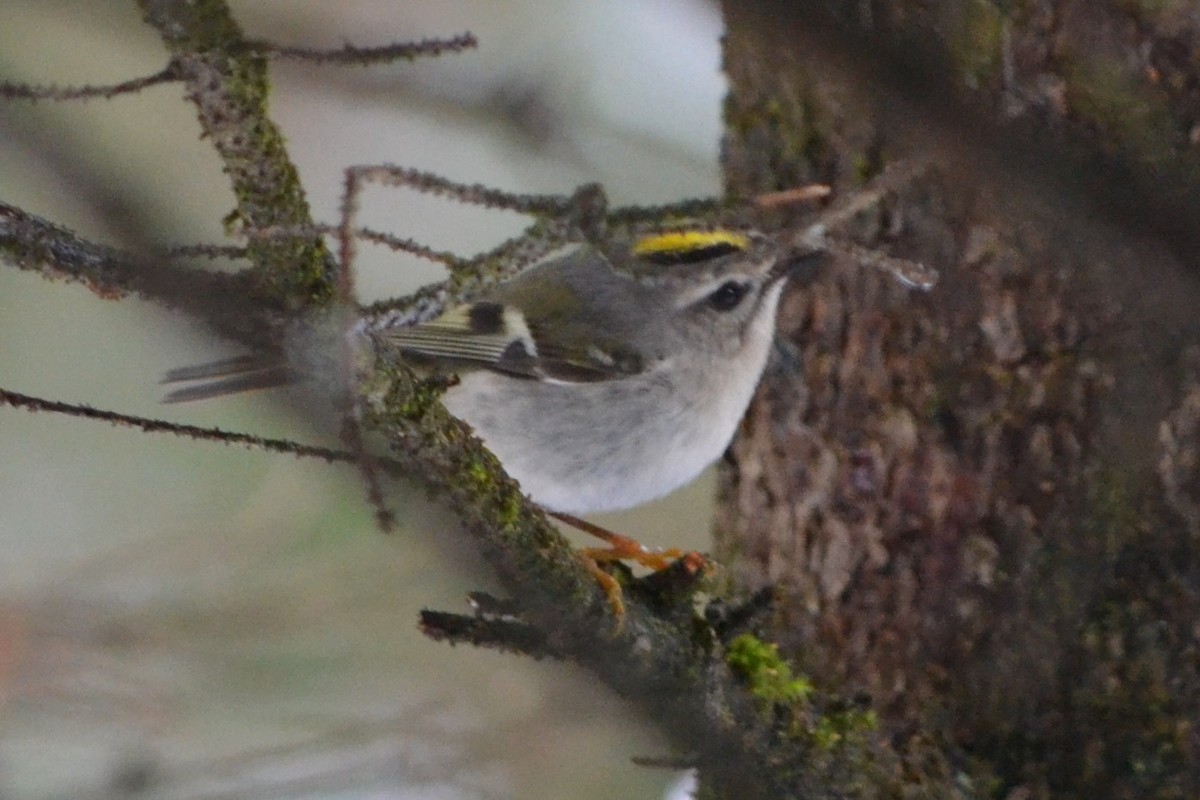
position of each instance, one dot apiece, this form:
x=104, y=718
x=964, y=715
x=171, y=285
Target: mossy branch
x=227, y=83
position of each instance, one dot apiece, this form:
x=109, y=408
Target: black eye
x=727, y=296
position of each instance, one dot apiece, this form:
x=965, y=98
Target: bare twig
x=25, y=91
x=365, y=56
x=150, y=425
x=348, y=55
x=230, y=303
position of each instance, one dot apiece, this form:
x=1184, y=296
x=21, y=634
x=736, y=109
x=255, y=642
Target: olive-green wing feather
x=493, y=336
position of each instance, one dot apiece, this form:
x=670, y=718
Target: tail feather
x=218, y=369
x=227, y=376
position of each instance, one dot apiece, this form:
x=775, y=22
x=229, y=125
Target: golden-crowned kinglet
x=602, y=378
x=613, y=374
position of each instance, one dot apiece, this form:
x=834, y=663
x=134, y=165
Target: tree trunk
x=981, y=506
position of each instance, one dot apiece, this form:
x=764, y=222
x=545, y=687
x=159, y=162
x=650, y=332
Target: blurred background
x=181, y=619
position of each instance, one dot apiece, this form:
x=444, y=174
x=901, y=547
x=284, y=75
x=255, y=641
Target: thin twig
x=349, y=55
x=150, y=425
x=34, y=92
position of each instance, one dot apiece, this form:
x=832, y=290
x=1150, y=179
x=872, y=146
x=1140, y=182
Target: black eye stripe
x=691, y=255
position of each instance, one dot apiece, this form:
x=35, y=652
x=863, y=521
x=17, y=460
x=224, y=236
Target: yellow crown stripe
x=688, y=241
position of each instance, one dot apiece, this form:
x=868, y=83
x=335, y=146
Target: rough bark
x=981, y=506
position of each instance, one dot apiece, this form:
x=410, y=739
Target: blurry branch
x=25, y=91
x=227, y=302
x=32, y=243
x=366, y=56
x=347, y=55
x=284, y=446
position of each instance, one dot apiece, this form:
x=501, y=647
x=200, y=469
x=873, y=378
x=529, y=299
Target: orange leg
x=620, y=548
x=612, y=589
x=623, y=548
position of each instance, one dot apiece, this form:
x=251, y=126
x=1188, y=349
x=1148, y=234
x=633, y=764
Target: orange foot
x=623, y=548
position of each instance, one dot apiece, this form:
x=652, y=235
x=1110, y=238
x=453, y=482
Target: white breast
x=585, y=447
